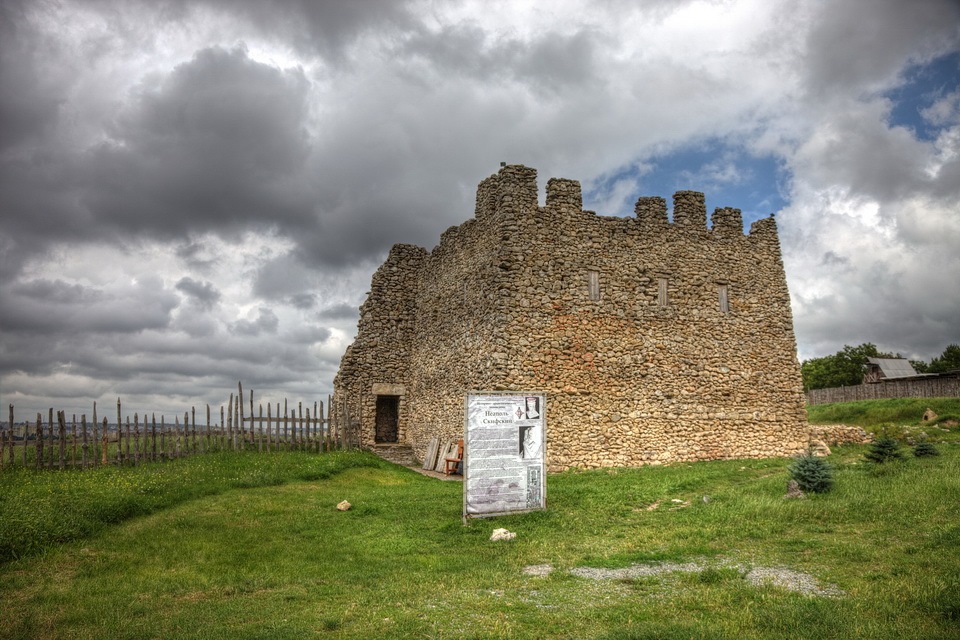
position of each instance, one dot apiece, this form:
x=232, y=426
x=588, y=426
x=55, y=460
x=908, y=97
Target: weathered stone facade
x=655, y=341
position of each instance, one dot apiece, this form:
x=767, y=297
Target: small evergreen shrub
x=813, y=474
x=884, y=449
x=925, y=449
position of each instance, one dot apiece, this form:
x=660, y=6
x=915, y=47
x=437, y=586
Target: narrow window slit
x=593, y=284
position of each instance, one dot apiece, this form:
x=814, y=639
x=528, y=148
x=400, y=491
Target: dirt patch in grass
x=782, y=577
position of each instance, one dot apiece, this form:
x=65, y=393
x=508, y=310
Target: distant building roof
x=894, y=367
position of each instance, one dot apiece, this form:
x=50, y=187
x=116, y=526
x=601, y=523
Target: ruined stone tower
x=655, y=341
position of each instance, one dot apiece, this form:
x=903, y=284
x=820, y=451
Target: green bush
x=925, y=449
x=811, y=473
x=884, y=449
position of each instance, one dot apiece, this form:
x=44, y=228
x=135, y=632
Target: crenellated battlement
x=513, y=190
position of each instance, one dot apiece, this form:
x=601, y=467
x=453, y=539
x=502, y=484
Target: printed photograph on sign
x=532, y=408
x=529, y=443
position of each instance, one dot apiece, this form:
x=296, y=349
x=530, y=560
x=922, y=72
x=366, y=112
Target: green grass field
x=247, y=546
x=874, y=414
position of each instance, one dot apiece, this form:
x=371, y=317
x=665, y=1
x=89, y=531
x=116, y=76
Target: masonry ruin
x=654, y=340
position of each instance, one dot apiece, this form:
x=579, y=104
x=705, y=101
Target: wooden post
x=260, y=438
x=193, y=428
x=136, y=437
x=105, y=444
x=86, y=444
x=220, y=436
x=119, y=455
x=26, y=437
x=243, y=434
x=208, y=428
x=306, y=445
x=126, y=456
x=39, y=446
x=309, y=441
x=62, y=424
x=51, y=440
x=269, y=427
x=73, y=439
x=163, y=437
x=236, y=423
x=232, y=443
x=24, y=442
x=153, y=437
x=95, y=441
x=119, y=432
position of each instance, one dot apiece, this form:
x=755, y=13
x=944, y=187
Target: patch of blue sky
x=924, y=85
x=728, y=175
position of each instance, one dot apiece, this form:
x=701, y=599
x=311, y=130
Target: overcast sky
x=196, y=192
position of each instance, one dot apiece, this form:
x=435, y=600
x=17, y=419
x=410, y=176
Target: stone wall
x=655, y=341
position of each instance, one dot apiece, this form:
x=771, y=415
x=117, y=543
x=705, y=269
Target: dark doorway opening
x=388, y=419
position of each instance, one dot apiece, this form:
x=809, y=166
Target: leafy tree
x=843, y=369
x=920, y=366
x=948, y=360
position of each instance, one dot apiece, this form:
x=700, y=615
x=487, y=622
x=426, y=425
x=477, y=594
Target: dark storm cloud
x=56, y=307
x=31, y=92
x=326, y=26
x=550, y=62
x=196, y=256
x=864, y=43
x=219, y=143
x=218, y=146
x=203, y=293
x=266, y=322
x=303, y=301
x=341, y=311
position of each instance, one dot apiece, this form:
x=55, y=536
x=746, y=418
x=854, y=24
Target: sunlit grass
x=38, y=509
x=874, y=413
x=259, y=553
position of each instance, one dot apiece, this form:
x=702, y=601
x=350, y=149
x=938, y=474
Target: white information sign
x=504, y=453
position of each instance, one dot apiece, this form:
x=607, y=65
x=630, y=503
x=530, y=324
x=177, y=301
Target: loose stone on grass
x=793, y=490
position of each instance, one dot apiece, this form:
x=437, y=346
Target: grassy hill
x=247, y=546
x=877, y=414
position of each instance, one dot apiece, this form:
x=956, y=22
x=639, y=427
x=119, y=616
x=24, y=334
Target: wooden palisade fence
x=58, y=444
x=942, y=386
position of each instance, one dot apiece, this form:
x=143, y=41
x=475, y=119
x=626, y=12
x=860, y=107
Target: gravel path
x=782, y=577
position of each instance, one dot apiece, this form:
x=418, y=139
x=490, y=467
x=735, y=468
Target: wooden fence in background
x=58, y=444
x=944, y=386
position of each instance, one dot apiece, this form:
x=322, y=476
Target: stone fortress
x=654, y=341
